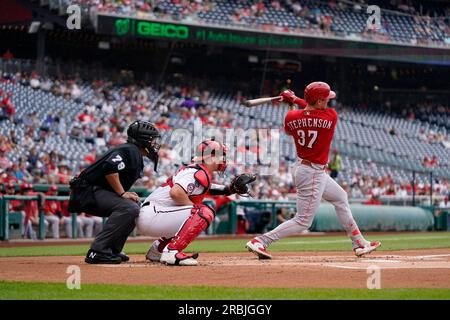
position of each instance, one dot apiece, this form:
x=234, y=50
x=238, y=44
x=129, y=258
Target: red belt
x=309, y=163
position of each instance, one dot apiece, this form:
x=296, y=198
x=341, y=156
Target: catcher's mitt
x=239, y=184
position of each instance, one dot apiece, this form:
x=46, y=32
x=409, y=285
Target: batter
x=312, y=129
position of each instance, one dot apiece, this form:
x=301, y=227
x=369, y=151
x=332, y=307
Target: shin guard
x=199, y=220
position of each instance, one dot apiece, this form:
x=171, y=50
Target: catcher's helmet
x=211, y=148
x=145, y=135
x=318, y=90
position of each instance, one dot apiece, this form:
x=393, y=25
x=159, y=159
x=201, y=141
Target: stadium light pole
x=261, y=88
x=40, y=54
x=166, y=62
x=431, y=188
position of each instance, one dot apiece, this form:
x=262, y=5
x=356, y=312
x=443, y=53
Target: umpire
x=102, y=190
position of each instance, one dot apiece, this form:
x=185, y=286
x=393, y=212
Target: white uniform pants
x=157, y=221
x=91, y=226
x=68, y=225
x=312, y=185
x=53, y=221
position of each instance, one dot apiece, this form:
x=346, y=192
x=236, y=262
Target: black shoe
x=122, y=256
x=94, y=257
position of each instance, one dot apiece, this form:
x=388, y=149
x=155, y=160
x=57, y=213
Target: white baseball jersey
x=185, y=179
x=160, y=216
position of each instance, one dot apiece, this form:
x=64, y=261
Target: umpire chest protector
x=126, y=160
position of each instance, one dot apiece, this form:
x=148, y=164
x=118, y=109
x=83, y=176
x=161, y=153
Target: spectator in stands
x=433, y=161
x=392, y=131
x=64, y=174
x=32, y=158
x=335, y=164
x=444, y=205
x=8, y=109
x=374, y=200
x=7, y=55
x=35, y=83
x=4, y=161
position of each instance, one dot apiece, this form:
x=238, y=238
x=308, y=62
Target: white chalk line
x=348, y=240
x=393, y=262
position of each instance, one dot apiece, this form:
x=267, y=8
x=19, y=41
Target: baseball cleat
x=360, y=251
x=94, y=257
x=153, y=253
x=123, y=256
x=175, y=258
x=258, y=248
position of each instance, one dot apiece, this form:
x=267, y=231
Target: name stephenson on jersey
x=317, y=123
x=312, y=131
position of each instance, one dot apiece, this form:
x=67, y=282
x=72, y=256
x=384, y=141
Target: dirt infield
x=399, y=269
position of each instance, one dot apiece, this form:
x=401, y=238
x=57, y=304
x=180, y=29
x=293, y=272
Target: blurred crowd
x=108, y=109
x=316, y=19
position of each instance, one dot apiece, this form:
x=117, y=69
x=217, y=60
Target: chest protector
x=202, y=177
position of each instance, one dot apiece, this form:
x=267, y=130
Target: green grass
x=398, y=241
x=49, y=291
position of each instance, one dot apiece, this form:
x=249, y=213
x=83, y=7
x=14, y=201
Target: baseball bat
x=256, y=102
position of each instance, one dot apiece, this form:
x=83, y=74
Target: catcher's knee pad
x=199, y=220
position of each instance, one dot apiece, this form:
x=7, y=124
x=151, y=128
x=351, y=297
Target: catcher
x=175, y=211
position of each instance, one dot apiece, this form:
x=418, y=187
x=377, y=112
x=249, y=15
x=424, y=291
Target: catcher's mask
x=212, y=149
x=146, y=136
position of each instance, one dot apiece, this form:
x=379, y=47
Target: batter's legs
x=310, y=184
x=337, y=196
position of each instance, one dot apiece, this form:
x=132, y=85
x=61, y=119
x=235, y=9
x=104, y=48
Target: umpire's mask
x=145, y=135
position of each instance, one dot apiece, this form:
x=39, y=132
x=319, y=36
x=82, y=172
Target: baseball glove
x=239, y=184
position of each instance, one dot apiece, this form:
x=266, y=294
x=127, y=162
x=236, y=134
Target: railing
x=440, y=217
x=265, y=205
x=4, y=214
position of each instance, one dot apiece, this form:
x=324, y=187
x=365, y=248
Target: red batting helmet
x=318, y=90
x=211, y=148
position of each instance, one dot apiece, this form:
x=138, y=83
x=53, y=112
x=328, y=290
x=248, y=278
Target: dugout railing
x=228, y=214
x=5, y=215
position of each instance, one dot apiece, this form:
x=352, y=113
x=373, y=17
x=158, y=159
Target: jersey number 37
x=312, y=135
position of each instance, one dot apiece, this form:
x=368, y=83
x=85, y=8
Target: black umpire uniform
x=93, y=192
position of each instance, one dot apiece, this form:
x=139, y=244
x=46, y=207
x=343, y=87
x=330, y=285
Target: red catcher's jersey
x=312, y=131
